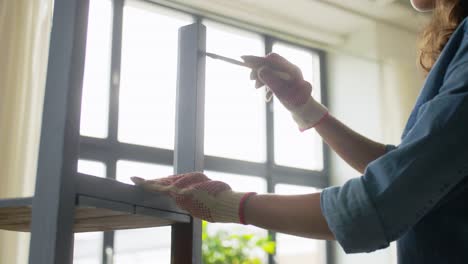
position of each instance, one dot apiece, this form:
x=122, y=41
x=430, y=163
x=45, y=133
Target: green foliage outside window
x=225, y=248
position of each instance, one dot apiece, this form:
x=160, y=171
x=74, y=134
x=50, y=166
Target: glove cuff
x=309, y=115
x=242, y=203
x=230, y=207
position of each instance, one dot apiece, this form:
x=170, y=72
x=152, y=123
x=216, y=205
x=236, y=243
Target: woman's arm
x=215, y=201
x=298, y=215
x=295, y=95
x=301, y=215
x=357, y=150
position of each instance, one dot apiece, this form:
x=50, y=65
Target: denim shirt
x=417, y=193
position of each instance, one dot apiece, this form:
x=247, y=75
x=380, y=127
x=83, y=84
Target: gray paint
x=53, y=204
x=112, y=190
x=188, y=152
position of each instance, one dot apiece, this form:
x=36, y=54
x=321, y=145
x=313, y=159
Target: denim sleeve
x=402, y=186
x=389, y=148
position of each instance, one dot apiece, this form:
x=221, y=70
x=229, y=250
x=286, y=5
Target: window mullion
x=117, y=22
x=186, y=244
x=329, y=248
x=114, y=87
x=270, y=146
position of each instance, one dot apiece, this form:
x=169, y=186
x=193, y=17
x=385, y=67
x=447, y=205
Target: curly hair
x=446, y=17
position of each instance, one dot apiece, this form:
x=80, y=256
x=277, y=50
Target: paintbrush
x=269, y=94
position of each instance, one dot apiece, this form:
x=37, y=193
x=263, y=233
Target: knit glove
x=285, y=80
x=203, y=198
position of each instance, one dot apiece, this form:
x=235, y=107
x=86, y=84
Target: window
x=127, y=169
x=129, y=102
x=240, y=183
x=91, y=167
x=148, y=244
x=293, y=249
x=143, y=246
x=95, y=104
x=306, y=146
x=87, y=248
x=234, y=111
x=148, y=74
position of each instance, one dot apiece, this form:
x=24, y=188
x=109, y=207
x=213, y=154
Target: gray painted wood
x=188, y=152
x=112, y=190
x=54, y=200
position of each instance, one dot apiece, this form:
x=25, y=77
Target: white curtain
x=24, y=29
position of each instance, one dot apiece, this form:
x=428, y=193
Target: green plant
x=225, y=248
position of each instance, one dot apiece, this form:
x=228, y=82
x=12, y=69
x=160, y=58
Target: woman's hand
x=289, y=87
x=292, y=91
x=214, y=201
x=202, y=197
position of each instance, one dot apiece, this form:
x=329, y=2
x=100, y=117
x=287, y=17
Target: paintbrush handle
x=282, y=75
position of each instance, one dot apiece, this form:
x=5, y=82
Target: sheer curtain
x=25, y=28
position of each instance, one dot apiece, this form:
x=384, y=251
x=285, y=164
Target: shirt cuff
x=352, y=218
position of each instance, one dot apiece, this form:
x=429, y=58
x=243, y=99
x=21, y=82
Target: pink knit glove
x=203, y=198
x=293, y=92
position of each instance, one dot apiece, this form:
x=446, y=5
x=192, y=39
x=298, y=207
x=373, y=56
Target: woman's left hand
x=202, y=197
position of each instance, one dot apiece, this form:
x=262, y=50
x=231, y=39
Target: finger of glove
x=268, y=94
x=190, y=179
x=278, y=62
x=137, y=180
x=210, y=187
x=166, y=180
x=258, y=84
x=161, y=188
x=256, y=62
x=175, y=184
x=253, y=74
x=269, y=78
x=275, y=62
x=253, y=61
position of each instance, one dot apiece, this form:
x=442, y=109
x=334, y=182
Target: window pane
x=240, y=183
x=148, y=75
x=235, y=111
x=127, y=169
x=143, y=246
x=293, y=148
x=95, y=103
x=148, y=245
x=88, y=248
x=293, y=249
x=91, y=167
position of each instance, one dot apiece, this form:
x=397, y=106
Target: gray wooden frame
x=59, y=188
x=55, y=192
x=189, y=131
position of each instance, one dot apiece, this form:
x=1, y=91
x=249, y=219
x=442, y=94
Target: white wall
x=401, y=79
x=354, y=99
